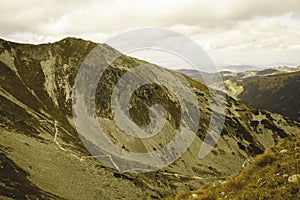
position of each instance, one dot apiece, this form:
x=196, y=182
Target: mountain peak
x=73, y=39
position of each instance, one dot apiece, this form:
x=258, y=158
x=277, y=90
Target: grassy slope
x=265, y=178
x=276, y=93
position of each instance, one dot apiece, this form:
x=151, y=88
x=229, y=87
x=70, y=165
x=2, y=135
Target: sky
x=232, y=32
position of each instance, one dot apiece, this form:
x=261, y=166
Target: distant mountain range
x=238, y=68
x=246, y=72
x=275, y=89
x=278, y=93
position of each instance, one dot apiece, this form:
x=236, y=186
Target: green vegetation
x=276, y=93
x=272, y=175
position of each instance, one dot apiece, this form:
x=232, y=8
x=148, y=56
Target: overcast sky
x=233, y=32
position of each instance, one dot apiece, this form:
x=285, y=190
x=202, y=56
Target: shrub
x=234, y=184
x=265, y=159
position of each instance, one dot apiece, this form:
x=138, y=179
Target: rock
x=285, y=175
x=194, y=196
x=263, y=183
x=222, y=182
x=294, y=178
x=259, y=180
x=247, y=162
x=283, y=151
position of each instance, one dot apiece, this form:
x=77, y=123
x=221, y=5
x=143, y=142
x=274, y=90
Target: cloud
x=280, y=32
x=109, y=16
x=216, y=24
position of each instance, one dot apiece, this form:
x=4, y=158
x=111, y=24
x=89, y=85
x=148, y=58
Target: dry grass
x=265, y=159
x=234, y=184
x=203, y=194
x=182, y=195
x=200, y=194
x=265, y=178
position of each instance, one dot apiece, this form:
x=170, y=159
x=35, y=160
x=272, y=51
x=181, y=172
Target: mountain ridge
x=36, y=85
x=274, y=89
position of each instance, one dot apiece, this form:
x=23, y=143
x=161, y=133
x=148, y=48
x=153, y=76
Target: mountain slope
x=276, y=93
x=272, y=175
x=38, y=133
x=274, y=89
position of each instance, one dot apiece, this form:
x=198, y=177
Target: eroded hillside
x=39, y=139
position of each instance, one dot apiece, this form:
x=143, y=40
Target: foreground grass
x=272, y=175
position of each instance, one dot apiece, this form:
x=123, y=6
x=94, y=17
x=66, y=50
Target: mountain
x=227, y=74
x=277, y=93
x=237, y=68
x=43, y=156
x=195, y=73
x=274, y=89
x=260, y=72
